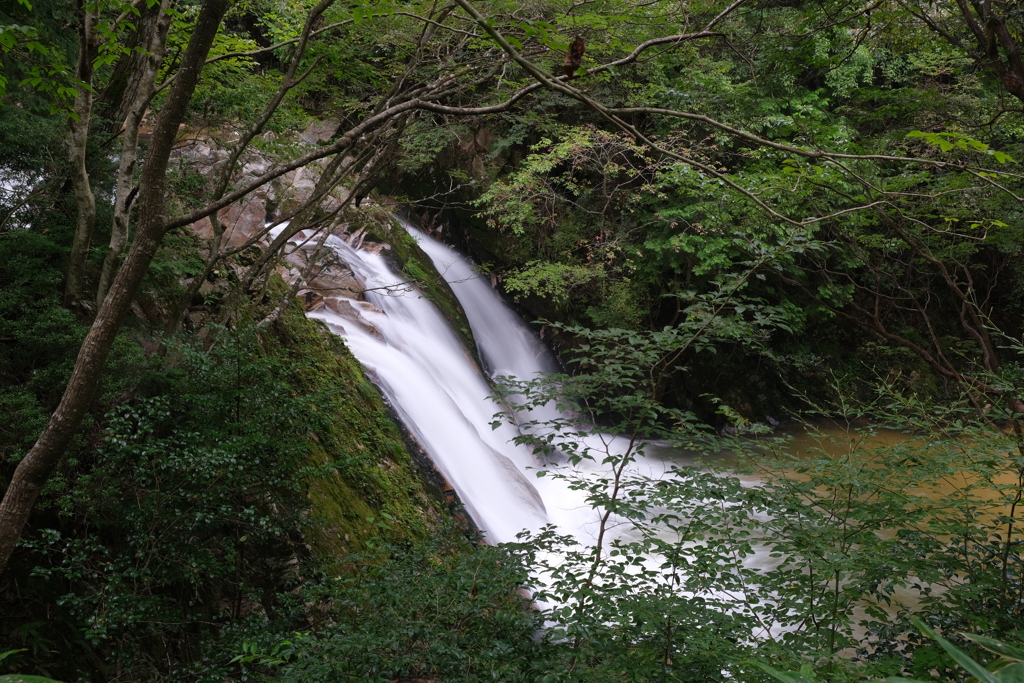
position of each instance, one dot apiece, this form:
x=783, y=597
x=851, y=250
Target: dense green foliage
x=588, y=225
x=813, y=207
x=824, y=547
x=188, y=511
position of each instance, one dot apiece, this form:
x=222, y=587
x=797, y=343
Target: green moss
x=417, y=267
x=341, y=518
x=364, y=482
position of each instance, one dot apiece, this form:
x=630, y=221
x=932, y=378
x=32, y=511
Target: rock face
x=241, y=221
x=327, y=282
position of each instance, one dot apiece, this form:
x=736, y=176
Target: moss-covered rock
x=361, y=471
x=417, y=267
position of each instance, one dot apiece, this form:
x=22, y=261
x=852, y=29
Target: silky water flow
x=443, y=396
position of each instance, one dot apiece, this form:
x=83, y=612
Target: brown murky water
x=988, y=478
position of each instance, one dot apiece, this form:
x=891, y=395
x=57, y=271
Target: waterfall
x=443, y=397
x=506, y=344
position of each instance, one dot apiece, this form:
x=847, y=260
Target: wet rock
x=242, y=221
x=203, y=228
x=295, y=189
x=331, y=286
x=336, y=281
x=375, y=247
x=319, y=131
x=296, y=258
x=312, y=300
x=352, y=312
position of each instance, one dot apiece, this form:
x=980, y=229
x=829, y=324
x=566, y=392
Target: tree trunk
x=155, y=45
x=79, y=122
x=127, y=81
x=35, y=469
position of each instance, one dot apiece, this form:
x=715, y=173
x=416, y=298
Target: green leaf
x=948, y=141
x=961, y=657
x=785, y=676
x=998, y=647
x=1014, y=673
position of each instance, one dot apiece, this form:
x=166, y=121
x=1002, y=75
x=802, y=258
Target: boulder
x=336, y=281
x=242, y=220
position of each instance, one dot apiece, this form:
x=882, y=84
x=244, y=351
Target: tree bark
x=127, y=81
x=79, y=123
x=32, y=472
x=155, y=44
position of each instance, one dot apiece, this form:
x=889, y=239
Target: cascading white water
x=444, y=399
x=442, y=396
x=507, y=345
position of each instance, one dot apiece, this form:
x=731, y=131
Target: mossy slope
x=367, y=483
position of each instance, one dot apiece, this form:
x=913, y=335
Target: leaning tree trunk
x=32, y=472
